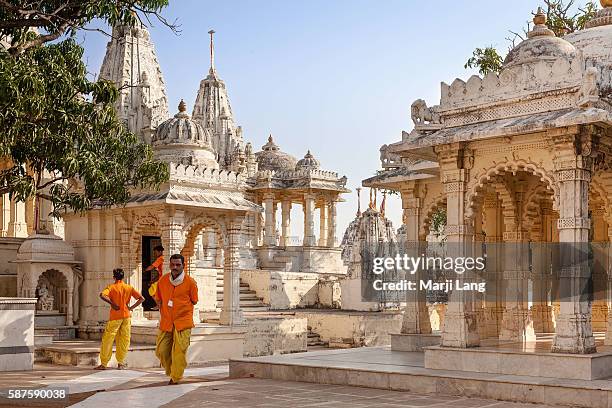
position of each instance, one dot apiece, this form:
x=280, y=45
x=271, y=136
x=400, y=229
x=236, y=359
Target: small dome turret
x=308, y=162
x=595, y=39
x=541, y=43
x=272, y=158
x=181, y=139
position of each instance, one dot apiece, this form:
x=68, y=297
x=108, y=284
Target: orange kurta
x=183, y=297
x=159, y=264
x=120, y=293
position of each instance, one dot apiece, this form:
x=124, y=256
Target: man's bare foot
x=100, y=367
x=171, y=382
x=121, y=366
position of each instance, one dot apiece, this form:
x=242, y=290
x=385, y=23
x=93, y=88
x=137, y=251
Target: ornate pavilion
x=519, y=161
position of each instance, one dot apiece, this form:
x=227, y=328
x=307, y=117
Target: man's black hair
x=178, y=256
x=159, y=248
x=118, y=274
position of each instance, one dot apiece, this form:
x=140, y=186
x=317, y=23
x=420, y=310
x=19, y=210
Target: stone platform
x=517, y=359
x=379, y=367
x=85, y=353
x=414, y=342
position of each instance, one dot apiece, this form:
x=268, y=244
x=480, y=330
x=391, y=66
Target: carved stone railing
x=513, y=82
x=204, y=174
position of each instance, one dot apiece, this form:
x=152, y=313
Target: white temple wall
x=354, y=329
x=95, y=238
x=206, y=278
x=283, y=290
x=8, y=271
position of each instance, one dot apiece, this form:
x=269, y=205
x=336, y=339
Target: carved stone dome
x=183, y=140
x=594, y=41
x=45, y=247
x=308, y=162
x=540, y=44
x=272, y=158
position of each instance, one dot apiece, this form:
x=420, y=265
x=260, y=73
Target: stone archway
x=228, y=232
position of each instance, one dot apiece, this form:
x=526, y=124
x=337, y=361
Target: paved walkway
x=210, y=387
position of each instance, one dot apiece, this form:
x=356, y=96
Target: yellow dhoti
x=172, y=351
x=118, y=331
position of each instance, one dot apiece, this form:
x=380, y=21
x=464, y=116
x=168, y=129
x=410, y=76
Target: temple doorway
x=148, y=243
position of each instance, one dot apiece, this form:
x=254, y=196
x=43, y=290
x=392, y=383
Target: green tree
x=61, y=138
x=562, y=17
x=486, y=60
x=55, y=18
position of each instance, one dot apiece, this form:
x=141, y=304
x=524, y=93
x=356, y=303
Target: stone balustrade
x=514, y=81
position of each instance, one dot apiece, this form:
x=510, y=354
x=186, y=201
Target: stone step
x=248, y=309
x=57, y=333
x=314, y=339
x=250, y=303
x=243, y=296
x=49, y=319
x=43, y=339
x=242, y=285
x=71, y=354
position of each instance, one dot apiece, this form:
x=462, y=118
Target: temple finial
x=212, y=51
x=358, y=201
x=182, y=106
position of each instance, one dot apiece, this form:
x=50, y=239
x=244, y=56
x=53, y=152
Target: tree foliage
x=438, y=221
x=50, y=126
x=61, y=138
x=55, y=18
x=486, y=60
x=562, y=17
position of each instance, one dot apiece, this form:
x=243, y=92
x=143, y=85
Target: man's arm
x=193, y=293
x=105, y=298
x=155, y=265
x=139, y=299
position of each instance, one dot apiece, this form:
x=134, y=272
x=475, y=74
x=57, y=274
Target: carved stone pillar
x=493, y=302
x=599, y=248
x=323, y=228
x=173, y=240
x=573, y=332
x=416, y=314
x=541, y=310
x=516, y=322
x=269, y=231
x=332, y=239
x=460, y=323
x=285, y=222
x=17, y=224
x=232, y=313
x=5, y=214
x=309, y=237
x=608, y=339
x=479, y=304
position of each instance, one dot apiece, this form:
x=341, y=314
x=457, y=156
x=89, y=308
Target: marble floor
x=211, y=387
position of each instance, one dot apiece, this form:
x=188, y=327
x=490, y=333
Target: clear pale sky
x=334, y=76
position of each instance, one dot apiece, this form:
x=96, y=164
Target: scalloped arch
x=478, y=186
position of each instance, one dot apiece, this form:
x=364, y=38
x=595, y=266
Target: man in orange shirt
x=158, y=264
x=119, y=324
x=157, y=270
x=176, y=295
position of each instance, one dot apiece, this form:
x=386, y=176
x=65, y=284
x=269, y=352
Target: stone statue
x=45, y=299
x=589, y=92
x=387, y=158
x=423, y=115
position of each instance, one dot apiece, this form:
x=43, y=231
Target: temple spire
x=358, y=201
x=212, y=52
